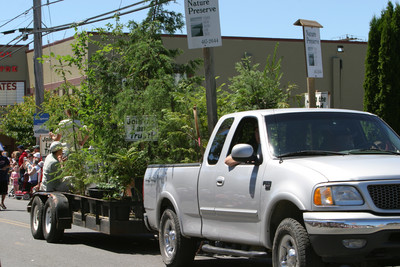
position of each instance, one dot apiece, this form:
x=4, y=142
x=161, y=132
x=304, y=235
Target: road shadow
x=144, y=244
x=147, y=244
x=221, y=261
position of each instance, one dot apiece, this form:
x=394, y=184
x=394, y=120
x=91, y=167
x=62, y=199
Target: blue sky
x=250, y=18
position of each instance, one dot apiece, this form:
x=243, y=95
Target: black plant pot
x=100, y=192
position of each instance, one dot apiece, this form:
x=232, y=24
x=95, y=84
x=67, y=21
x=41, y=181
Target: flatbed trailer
x=53, y=212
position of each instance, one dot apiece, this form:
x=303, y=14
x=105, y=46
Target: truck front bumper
x=354, y=236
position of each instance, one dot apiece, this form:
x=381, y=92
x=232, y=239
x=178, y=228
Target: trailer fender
x=63, y=212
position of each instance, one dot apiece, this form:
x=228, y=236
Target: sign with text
x=322, y=100
x=141, y=128
x=202, y=23
x=45, y=142
x=11, y=92
x=38, y=124
x=313, y=52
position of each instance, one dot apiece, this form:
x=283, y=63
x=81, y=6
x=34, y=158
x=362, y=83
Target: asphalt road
x=84, y=247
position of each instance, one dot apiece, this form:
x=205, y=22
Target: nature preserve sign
x=202, y=23
x=313, y=52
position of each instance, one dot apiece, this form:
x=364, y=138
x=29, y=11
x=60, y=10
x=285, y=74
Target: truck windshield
x=319, y=133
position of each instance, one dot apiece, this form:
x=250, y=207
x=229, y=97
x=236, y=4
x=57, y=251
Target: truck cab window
x=218, y=142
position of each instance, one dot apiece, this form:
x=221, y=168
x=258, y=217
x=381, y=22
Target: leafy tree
x=255, y=89
x=382, y=82
x=17, y=121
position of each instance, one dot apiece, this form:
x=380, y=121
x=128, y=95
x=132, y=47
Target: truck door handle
x=220, y=180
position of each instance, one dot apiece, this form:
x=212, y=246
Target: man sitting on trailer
x=52, y=168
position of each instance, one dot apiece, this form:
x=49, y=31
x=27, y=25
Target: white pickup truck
x=306, y=186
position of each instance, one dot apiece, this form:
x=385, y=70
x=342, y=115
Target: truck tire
x=292, y=246
x=37, y=218
x=52, y=232
x=176, y=250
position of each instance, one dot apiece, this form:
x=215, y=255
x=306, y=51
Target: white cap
x=55, y=146
x=37, y=155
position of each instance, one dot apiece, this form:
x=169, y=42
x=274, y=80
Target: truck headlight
x=337, y=195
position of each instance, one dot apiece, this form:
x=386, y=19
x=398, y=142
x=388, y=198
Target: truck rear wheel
x=36, y=218
x=51, y=230
x=292, y=247
x=176, y=250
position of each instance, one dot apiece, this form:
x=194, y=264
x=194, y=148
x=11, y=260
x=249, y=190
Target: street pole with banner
x=312, y=47
x=204, y=31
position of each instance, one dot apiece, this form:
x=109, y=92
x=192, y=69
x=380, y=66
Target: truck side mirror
x=244, y=153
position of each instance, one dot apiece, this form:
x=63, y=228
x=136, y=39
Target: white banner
x=11, y=92
x=202, y=23
x=313, y=52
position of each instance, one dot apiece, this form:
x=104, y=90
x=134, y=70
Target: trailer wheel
x=176, y=250
x=292, y=246
x=52, y=232
x=36, y=218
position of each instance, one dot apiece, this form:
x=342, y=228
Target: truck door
x=237, y=190
x=211, y=168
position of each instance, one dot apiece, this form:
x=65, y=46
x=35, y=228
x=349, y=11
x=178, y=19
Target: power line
x=95, y=18
x=98, y=18
x=27, y=11
x=16, y=50
x=90, y=20
x=23, y=13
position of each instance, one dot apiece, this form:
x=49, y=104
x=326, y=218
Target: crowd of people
x=22, y=170
x=26, y=171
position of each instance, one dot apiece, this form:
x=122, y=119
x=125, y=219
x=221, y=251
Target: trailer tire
x=37, y=218
x=52, y=232
x=292, y=246
x=176, y=250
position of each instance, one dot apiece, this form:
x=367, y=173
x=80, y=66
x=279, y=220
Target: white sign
x=141, y=128
x=322, y=100
x=202, y=23
x=313, y=52
x=45, y=142
x=38, y=124
x=11, y=93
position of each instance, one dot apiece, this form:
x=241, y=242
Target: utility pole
x=37, y=43
x=211, y=94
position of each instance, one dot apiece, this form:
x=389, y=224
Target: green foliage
x=17, y=121
x=382, y=82
x=127, y=164
x=255, y=89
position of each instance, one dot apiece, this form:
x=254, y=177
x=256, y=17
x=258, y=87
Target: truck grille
x=385, y=196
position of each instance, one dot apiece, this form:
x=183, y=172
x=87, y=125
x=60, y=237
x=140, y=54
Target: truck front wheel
x=176, y=250
x=292, y=246
x=52, y=232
